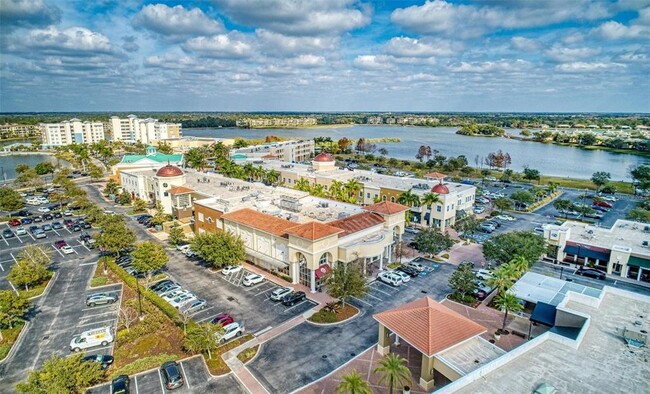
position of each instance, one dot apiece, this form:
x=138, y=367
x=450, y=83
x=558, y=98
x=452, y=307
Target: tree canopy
x=116, y=235
x=523, y=243
x=201, y=337
x=10, y=199
x=12, y=308
x=219, y=249
x=61, y=375
x=345, y=281
x=149, y=256
x=600, y=178
x=432, y=241
x=463, y=280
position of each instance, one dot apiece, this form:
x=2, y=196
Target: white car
x=38, y=234
x=67, y=213
x=483, y=274
x=193, y=306
x=173, y=294
x=278, y=294
x=479, y=210
x=182, y=300
x=253, y=279
x=390, y=278
x=403, y=275
x=229, y=332
x=183, y=248
x=231, y=269
x=67, y=249
x=44, y=209
x=21, y=231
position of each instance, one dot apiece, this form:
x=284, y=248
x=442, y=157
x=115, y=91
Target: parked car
x=403, y=275
x=101, y=298
x=182, y=300
x=224, y=319
x=231, y=331
x=46, y=227
x=104, y=359
x=293, y=298
x=57, y=226
x=479, y=210
x=44, y=209
x=38, y=234
x=539, y=229
x=171, y=375
x=411, y=230
x=37, y=219
x=15, y=222
x=408, y=270
x=484, y=274
x=167, y=289
x=599, y=208
x=59, y=244
x=67, y=213
x=231, y=269
x=26, y=220
x=416, y=266
x=76, y=228
x=390, y=278
x=48, y=216
x=487, y=228
x=120, y=385
x=193, y=306
x=57, y=215
x=604, y=204
x=21, y=231
x=67, y=249
x=278, y=294
x=159, y=285
x=7, y=233
x=253, y=279
x=591, y=273
x=170, y=295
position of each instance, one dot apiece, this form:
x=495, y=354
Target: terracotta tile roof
x=313, y=230
x=261, y=221
x=180, y=190
x=435, y=175
x=386, y=208
x=269, y=156
x=358, y=222
x=429, y=326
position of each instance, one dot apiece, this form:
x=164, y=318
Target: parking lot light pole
x=137, y=285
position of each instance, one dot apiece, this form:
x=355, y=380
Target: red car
x=222, y=319
x=604, y=204
x=59, y=244
x=15, y=222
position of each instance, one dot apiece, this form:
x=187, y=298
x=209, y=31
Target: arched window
x=323, y=259
x=383, y=198
x=210, y=220
x=392, y=199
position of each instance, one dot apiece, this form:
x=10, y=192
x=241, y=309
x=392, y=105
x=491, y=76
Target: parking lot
x=196, y=377
x=249, y=306
x=309, y=352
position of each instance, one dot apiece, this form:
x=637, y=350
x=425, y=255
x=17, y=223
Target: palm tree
x=429, y=199
x=318, y=190
x=337, y=190
x=248, y=171
x=393, y=371
x=352, y=187
x=408, y=198
x=353, y=383
x=303, y=185
x=507, y=302
x=502, y=279
x=519, y=264
x=272, y=177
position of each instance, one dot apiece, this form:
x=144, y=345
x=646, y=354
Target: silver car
x=101, y=298
x=193, y=306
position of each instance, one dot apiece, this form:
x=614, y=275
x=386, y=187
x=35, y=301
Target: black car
x=48, y=216
x=76, y=228
x=292, y=298
x=85, y=225
x=120, y=385
x=142, y=218
x=7, y=233
x=591, y=273
x=103, y=359
x=161, y=284
x=58, y=215
x=412, y=272
x=171, y=375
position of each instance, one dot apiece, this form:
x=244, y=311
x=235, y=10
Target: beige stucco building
x=290, y=151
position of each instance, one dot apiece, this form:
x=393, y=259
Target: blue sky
x=325, y=55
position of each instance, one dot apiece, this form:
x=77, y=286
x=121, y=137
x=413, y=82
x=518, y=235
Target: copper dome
x=440, y=189
x=169, y=171
x=324, y=156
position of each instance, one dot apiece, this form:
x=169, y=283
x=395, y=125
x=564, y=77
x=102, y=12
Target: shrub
x=324, y=316
x=98, y=281
x=143, y=364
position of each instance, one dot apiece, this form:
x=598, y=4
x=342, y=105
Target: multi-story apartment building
x=277, y=122
x=455, y=199
x=72, y=131
x=14, y=130
x=146, y=131
x=290, y=151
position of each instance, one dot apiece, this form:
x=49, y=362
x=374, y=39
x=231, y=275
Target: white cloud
x=373, y=62
x=490, y=66
x=573, y=38
x=176, y=22
x=313, y=17
x=240, y=77
x=274, y=71
x=307, y=61
x=441, y=17
x=226, y=46
x=73, y=41
x=613, y=30
x=28, y=13
x=524, y=44
x=582, y=67
x=412, y=47
x=564, y=55
x=275, y=42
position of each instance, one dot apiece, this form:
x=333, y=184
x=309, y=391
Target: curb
x=46, y=291
x=17, y=343
x=359, y=313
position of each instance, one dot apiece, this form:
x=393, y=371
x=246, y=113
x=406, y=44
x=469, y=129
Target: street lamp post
x=137, y=285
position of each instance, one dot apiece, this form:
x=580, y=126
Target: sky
x=325, y=55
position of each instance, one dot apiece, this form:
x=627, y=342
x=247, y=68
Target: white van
x=91, y=338
x=33, y=201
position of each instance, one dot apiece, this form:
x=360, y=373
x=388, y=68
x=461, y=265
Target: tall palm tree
x=428, y=200
x=519, y=264
x=503, y=278
x=303, y=185
x=408, y=198
x=272, y=177
x=337, y=190
x=353, y=383
x=507, y=302
x=318, y=190
x=248, y=171
x=352, y=187
x=393, y=371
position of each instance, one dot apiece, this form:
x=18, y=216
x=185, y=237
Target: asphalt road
x=309, y=352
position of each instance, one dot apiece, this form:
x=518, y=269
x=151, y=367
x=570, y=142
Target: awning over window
x=544, y=314
x=591, y=252
x=638, y=262
x=322, y=271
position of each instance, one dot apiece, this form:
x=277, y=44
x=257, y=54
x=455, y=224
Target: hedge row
x=154, y=298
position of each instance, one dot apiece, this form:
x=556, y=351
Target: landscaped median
x=9, y=337
x=216, y=365
x=334, y=313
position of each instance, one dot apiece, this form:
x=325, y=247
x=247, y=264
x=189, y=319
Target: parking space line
x=360, y=300
x=57, y=250
x=13, y=257
x=203, y=310
x=32, y=237
x=264, y=291
x=186, y=379
x=99, y=322
x=161, y=381
x=368, y=294
x=298, y=304
x=135, y=377
x=19, y=240
x=100, y=314
x=83, y=246
x=255, y=287
x=12, y=286
x=381, y=291
x=57, y=233
x=84, y=264
x=208, y=318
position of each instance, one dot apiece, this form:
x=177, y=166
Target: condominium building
x=293, y=151
x=146, y=131
x=72, y=131
x=12, y=130
x=455, y=199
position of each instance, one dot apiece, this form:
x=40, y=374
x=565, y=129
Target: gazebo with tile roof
x=429, y=327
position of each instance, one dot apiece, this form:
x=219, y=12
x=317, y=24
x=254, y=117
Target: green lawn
x=9, y=336
x=37, y=290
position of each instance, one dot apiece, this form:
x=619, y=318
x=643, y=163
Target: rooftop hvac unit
x=342, y=215
x=323, y=204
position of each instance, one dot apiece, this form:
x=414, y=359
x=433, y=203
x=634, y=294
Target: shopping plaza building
x=622, y=250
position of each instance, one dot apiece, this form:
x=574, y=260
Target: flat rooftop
x=624, y=233
x=372, y=179
x=602, y=363
x=534, y=287
x=471, y=355
x=222, y=192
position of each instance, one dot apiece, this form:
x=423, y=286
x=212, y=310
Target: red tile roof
x=180, y=190
x=358, y=222
x=313, y=230
x=429, y=326
x=261, y=221
x=435, y=175
x=386, y=208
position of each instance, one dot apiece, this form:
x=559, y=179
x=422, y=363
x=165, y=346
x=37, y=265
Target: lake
x=9, y=163
x=549, y=159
